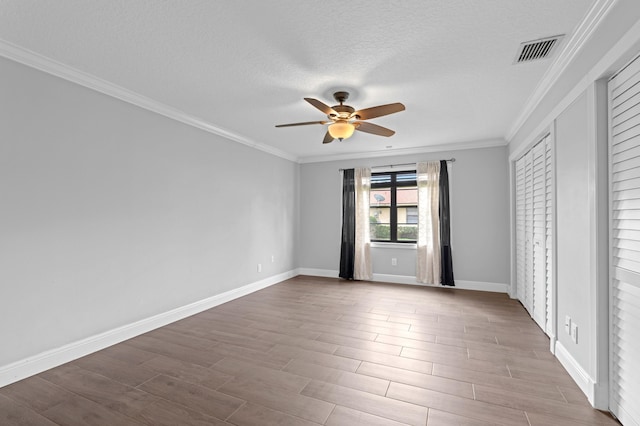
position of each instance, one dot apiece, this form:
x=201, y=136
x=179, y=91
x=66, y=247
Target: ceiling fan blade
x=321, y=106
x=378, y=111
x=373, y=129
x=327, y=138
x=301, y=124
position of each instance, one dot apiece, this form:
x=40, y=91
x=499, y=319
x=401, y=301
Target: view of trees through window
x=393, y=207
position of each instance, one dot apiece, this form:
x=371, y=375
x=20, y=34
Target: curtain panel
x=362, y=257
x=446, y=261
x=355, y=247
x=429, y=250
x=347, y=245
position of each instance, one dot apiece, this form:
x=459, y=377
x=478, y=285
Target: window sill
x=406, y=246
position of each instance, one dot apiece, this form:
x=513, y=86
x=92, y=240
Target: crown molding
x=42, y=63
x=572, y=47
x=488, y=143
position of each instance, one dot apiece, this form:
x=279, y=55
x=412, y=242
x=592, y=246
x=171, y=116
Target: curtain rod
x=450, y=160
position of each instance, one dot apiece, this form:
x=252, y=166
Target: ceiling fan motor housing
x=344, y=111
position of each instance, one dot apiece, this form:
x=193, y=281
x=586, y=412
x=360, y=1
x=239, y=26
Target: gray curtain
x=446, y=261
x=347, y=246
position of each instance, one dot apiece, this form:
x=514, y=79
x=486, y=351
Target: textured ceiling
x=244, y=66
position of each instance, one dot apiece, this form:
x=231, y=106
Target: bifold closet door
x=521, y=226
x=527, y=297
x=548, y=226
x=624, y=169
x=533, y=184
x=524, y=231
x=539, y=215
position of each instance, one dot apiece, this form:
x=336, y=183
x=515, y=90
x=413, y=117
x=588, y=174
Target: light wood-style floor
x=314, y=351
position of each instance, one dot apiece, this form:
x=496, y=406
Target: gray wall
x=575, y=110
x=111, y=213
x=479, y=218
x=581, y=248
x=573, y=225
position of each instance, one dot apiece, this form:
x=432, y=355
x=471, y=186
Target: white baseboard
x=52, y=358
x=327, y=273
x=597, y=394
x=410, y=280
x=483, y=286
x=395, y=279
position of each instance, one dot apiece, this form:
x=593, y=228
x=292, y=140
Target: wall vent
x=537, y=49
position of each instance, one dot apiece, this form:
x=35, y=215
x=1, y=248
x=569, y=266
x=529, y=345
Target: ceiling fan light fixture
x=341, y=130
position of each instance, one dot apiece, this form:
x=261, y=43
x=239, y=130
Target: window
x=393, y=207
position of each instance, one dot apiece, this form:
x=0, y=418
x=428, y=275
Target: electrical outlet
x=567, y=324
x=574, y=332
x=394, y=261
x=259, y=267
x=273, y=258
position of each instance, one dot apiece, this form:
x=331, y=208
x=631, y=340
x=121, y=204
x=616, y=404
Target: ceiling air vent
x=537, y=49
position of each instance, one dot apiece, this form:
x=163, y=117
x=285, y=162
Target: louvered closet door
x=624, y=166
x=520, y=228
x=539, y=213
x=548, y=226
x=527, y=297
x=534, y=214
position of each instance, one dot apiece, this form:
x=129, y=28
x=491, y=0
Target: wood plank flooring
x=312, y=351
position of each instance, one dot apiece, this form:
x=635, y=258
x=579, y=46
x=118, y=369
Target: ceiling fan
x=345, y=119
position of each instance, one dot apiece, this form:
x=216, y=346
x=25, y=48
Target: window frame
x=393, y=186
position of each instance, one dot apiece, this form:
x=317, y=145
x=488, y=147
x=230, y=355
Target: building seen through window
x=393, y=207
